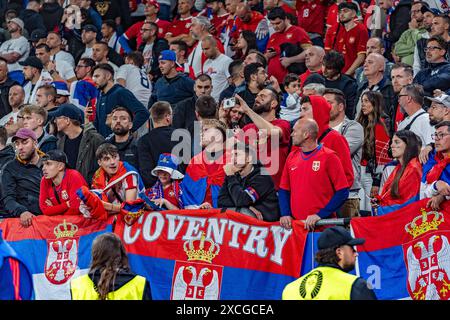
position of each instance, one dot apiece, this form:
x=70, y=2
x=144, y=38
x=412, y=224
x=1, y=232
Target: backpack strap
x=324, y=134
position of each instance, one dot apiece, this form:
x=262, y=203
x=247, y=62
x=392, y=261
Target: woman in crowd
x=109, y=277
x=375, y=147
x=403, y=184
x=246, y=42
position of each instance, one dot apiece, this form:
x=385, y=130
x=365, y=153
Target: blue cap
x=168, y=162
x=61, y=88
x=168, y=55
x=68, y=110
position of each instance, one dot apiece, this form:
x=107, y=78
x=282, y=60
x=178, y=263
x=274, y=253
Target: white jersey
x=30, y=90
x=136, y=80
x=217, y=69
x=65, y=57
x=19, y=45
x=64, y=69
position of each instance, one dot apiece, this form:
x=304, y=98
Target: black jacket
x=348, y=86
x=386, y=89
x=21, y=183
x=399, y=20
x=5, y=108
x=128, y=151
x=184, y=114
x=150, y=146
x=159, y=45
x=52, y=14
x=32, y=20
x=256, y=190
x=6, y=155
x=436, y=76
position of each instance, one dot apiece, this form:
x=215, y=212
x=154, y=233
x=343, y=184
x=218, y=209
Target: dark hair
x=88, y=62
x=159, y=110
x=260, y=58
x=137, y=58
x=413, y=146
x=120, y=108
x=406, y=67
x=275, y=13
x=415, y=91
x=103, y=43
x=104, y=67
x=206, y=107
x=442, y=43
x=289, y=78
x=368, y=123
x=248, y=149
x=55, y=33
x=106, y=149
x=181, y=45
x=250, y=38
x=110, y=23
x=43, y=45
x=3, y=135
x=250, y=70
x=4, y=60
x=327, y=256
x=338, y=95
x=443, y=124
x=109, y=258
x=234, y=66
x=49, y=90
x=204, y=77
x=292, y=18
x=334, y=60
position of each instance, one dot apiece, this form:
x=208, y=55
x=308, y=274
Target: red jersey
x=180, y=26
x=332, y=16
x=251, y=25
x=135, y=30
x=292, y=34
x=350, y=43
x=311, y=16
x=258, y=141
x=219, y=22
x=312, y=179
x=288, y=9
x=399, y=117
x=60, y=195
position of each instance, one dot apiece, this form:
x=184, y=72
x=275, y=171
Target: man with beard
x=179, y=28
x=401, y=75
x=255, y=79
x=267, y=134
x=111, y=95
x=311, y=167
x=126, y=143
x=199, y=31
x=336, y=257
x=151, y=47
x=21, y=178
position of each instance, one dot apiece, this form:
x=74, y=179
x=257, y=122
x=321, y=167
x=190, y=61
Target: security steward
x=330, y=280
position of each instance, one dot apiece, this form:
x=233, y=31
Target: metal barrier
x=336, y=222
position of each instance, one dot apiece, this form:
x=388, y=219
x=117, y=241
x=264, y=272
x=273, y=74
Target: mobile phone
x=229, y=103
x=92, y=115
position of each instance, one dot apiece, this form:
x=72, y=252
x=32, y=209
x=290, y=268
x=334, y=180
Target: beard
x=261, y=108
x=27, y=156
x=120, y=130
x=434, y=122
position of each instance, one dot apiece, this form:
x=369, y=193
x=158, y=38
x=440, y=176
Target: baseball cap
x=55, y=155
x=442, y=99
x=153, y=3
x=90, y=27
x=336, y=237
x=426, y=8
x=32, y=62
x=314, y=78
x=37, y=35
x=61, y=88
x=17, y=21
x=68, y=110
x=348, y=5
x=24, y=133
x=168, y=55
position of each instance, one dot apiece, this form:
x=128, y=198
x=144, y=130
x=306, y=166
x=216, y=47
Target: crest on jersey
x=316, y=165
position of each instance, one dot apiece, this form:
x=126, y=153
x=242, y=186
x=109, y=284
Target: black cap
x=55, y=155
x=68, y=110
x=314, y=78
x=32, y=62
x=348, y=5
x=90, y=27
x=336, y=237
x=37, y=35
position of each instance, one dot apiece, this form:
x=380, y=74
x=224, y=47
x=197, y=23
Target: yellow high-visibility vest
x=322, y=283
x=83, y=288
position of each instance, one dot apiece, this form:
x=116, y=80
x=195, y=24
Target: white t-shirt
x=421, y=126
x=7, y=117
x=19, y=45
x=136, y=81
x=195, y=59
x=217, y=69
x=64, y=69
x=87, y=53
x=64, y=56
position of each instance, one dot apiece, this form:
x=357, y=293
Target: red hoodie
x=333, y=139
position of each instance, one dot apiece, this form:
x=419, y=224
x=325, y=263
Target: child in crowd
x=166, y=192
x=290, y=106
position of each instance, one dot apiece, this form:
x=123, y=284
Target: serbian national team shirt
x=135, y=30
x=219, y=23
x=350, y=43
x=250, y=26
x=399, y=117
x=128, y=183
x=312, y=180
x=180, y=26
x=292, y=34
x=259, y=141
x=311, y=16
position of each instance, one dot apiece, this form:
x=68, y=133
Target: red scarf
x=100, y=180
x=436, y=171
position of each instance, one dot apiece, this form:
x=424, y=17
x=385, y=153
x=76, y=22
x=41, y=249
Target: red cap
x=152, y=2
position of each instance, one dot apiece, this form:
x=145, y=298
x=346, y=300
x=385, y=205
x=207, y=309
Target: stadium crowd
x=277, y=109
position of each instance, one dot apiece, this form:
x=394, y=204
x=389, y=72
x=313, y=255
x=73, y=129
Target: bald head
x=314, y=58
x=374, y=65
x=375, y=45
x=305, y=131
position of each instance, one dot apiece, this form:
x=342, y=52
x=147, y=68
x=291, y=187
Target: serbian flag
x=407, y=252
x=213, y=255
x=55, y=250
x=15, y=278
x=83, y=92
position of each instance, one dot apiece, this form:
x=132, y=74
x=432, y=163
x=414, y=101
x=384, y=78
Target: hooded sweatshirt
x=52, y=14
x=333, y=139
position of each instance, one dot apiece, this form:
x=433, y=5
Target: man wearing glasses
x=437, y=75
x=83, y=91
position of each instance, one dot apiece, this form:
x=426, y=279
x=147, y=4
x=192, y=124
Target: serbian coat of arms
x=427, y=258
x=62, y=254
